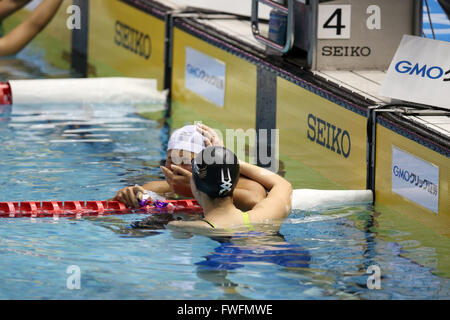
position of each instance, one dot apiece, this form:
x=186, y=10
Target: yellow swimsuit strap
x=244, y=216
x=212, y=226
x=247, y=221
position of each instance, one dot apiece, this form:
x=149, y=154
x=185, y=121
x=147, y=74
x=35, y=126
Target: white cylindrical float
x=91, y=90
x=310, y=199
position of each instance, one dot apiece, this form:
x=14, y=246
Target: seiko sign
x=133, y=40
x=329, y=136
x=346, y=51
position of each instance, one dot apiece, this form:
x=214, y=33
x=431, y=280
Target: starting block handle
x=289, y=11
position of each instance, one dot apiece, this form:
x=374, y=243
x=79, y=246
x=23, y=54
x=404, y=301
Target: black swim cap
x=216, y=171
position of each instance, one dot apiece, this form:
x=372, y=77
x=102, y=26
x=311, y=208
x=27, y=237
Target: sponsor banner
x=420, y=72
x=415, y=179
x=135, y=41
x=329, y=136
x=124, y=41
x=320, y=141
x=205, y=76
x=240, y=88
x=362, y=35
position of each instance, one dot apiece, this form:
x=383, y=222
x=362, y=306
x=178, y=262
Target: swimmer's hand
x=179, y=180
x=210, y=136
x=129, y=196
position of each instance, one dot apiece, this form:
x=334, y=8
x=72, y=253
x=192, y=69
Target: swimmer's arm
x=160, y=187
x=247, y=194
x=18, y=38
x=8, y=7
x=277, y=205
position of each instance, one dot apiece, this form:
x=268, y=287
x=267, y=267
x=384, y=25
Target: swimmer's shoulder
x=196, y=226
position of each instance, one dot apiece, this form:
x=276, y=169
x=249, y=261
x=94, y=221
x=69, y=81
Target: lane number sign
x=334, y=21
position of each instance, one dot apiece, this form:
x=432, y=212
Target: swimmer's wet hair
x=216, y=172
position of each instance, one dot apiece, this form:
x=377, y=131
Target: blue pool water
x=88, y=152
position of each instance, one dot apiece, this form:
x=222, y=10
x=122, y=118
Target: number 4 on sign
x=334, y=21
x=338, y=26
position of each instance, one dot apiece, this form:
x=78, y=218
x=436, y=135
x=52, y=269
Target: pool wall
x=327, y=134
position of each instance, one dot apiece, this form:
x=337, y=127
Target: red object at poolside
x=78, y=209
x=5, y=94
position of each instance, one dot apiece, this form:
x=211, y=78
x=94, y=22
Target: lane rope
x=78, y=209
x=5, y=94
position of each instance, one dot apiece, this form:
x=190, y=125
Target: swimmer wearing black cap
x=215, y=172
x=184, y=144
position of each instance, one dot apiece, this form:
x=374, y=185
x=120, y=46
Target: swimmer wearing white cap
x=215, y=174
x=184, y=144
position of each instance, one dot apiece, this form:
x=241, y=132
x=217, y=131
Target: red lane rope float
x=5, y=94
x=78, y=209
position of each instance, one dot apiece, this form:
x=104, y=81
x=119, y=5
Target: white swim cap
x=188, y=139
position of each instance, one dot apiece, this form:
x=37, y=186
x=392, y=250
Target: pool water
x=88, y=152
x=29, y=64
x=76, y=152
